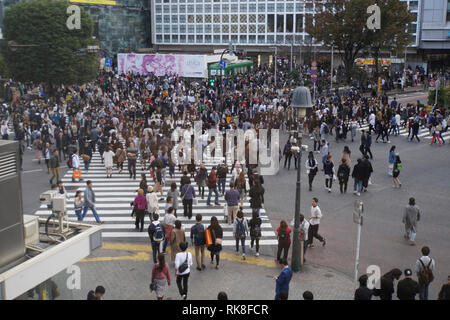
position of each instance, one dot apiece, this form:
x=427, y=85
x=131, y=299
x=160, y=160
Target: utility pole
x=292, y=52
x=332, y=56
x=358, y=219
x=297, y=256
x=276, y=54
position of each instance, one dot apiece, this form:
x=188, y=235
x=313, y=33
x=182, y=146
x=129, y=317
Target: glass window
x=243, y=7
x=280, y=39
x=158, y=9
x=182, y=28
x=208, y=39
x=166, y=19
x=216, y=28
x=299, y=7
x=174, y=19
x=199, y=28
x=243, y=18
x=413, y=5
x=191, y=18
x=252, y=18
x=216, y=38
x=167, y=28
x=298, y=39
x=166, y=39
x=182, y=19
x=199, y=8
x=225, y=38
x=208, y=28
x=225, y=8
x=298, y=23
x=252, y=28
x=252, y=7
x=191, y=28
x=412, y=28
x=271, y=7
x=174, y=28
x=175, y=38
x=190, y=8
x=261, y=18
x=270, y=38
x=289, y=7
x=216, y=8
x=159, y=38
x=208, y=18
x=280, y=23
x=199, y=19
x=182, y=38
x=234, y=18
x=216, y=18
x=207, y=8
x=261, y=7
x=261, y=39
x=167, y=9
x=448, y=10
x=280, y=7
x=182, y=1
x=174, y=9
x=159, y=28
x=234, y=28
x=158, y=19
x=243, y=39
x=251, y=39
x=261, y=28
x=243, y=28
x=234, y=8
x=309, y=7
x=225, y=28
x=234, y=38
x=191, y=38
x=289, y=23
x=270, y=23
x=182, y=9
x=225, y=18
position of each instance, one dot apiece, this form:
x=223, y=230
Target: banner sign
x=371, y=62
x=106, y=2
x=189, y=66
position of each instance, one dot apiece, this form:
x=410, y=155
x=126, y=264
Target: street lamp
x=301, y=100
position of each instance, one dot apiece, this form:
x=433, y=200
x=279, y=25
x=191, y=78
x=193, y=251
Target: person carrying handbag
x=216, y=233
x=183, y=263
x=160, y=276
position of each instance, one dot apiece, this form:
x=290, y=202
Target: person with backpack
x=240, y=231
x=396, y=172
x=425, y=267
x=284, y=240
x=255, y=230
x=156, y=234
x=198, y=241
x=169, y=224
x=314, y=222
x=183, y=263
x=311, y=168
x=407, y=288
x=343, y=174
x=411, y=215
x=177, y=236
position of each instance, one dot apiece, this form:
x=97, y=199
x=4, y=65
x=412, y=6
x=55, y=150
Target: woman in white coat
x=108, y=160
x=152, y=201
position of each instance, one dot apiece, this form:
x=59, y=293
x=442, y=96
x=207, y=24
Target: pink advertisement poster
x=189, y=66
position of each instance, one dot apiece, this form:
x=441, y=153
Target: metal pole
x=358, y=240
x=297, y=261
x=332, y=56
x=292, y=53
x=276, y=54
x=436, y=91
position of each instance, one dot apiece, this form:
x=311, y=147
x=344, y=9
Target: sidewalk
x=125, y=270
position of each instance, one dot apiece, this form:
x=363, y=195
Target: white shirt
x=170, y=219
x=179, y=260
x=372, y=119
x=315, y=212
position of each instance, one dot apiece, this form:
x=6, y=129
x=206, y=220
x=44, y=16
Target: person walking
x=396, y=172
x=47, y=155
x=287, y=152
x=132, y=153
x=78, y=204
x=256, y=194
x=140, y=205
x=358, y=176
x=156, y=234
x=168, y=224
x=282, y=281
x=241, y=186
x=311, y=168
x=187, y=196
x=314, y=221
x=436, y=135
x=415, y=130
x=54, y=166
x=177, y=237
x=143, y=183
x=329, y=173
x=222, y=171
x=160, y=276
x=284, y=240
x=343, y=174
x=387, y=284
x=212, y=187
x=232, y=197
x=255, y=231
x=108, y=156
x=183, y=263
x=89, y=202
x=120, y=158
x=152, y=201
x=37, y=146
x=216, y=236
x=76, y=166
x=444, y=293
x=411, y=215
x=240, y=231
x=407, y=288
x=198, y=241
x=363, y=293
x=368, y=145
x=87, y=155
x=391, y=160
x=324, y=153
x=175, y=194
x=425, y=267
x=346, y=154
x=362, y=146
x=201, y=176
x=367, y=172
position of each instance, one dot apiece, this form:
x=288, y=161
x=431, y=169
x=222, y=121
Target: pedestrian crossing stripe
x=114, y=195
x=424, y=133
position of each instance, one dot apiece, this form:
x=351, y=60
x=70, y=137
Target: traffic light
x=241, y=53
x=212, y=82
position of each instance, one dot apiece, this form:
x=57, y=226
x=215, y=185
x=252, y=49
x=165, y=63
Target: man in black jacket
x=97, y=295
x=363, y=293
x=407, y=289
x=444, y=294
x=387, y=284
x=222, y=171
x=367, y=171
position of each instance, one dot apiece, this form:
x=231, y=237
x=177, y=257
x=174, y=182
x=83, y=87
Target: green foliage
x=53, y=61
x=3, y=68
x=443, y=99
x=294, y=75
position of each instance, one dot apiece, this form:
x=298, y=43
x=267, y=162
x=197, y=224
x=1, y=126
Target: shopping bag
x=76, y=174
x=208, y=237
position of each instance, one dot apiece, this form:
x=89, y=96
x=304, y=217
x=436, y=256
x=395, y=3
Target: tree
x=393, y=35
x=443, y=97
x=342, y=24
x=52, y=60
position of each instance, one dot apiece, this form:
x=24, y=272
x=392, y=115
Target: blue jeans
x=86, y=164
x=222, y=185
x=216, y=197
x=78, y=214
x=423, y=291
x=242, y=243
x=358, y=184
x=94, y=211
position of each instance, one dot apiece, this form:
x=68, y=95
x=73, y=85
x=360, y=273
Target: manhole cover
x=328, y=275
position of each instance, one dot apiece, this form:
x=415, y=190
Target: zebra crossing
x=114, y=195
x=423, y=133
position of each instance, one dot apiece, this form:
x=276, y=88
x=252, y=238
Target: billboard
x=189, y=66
x=105, y=2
